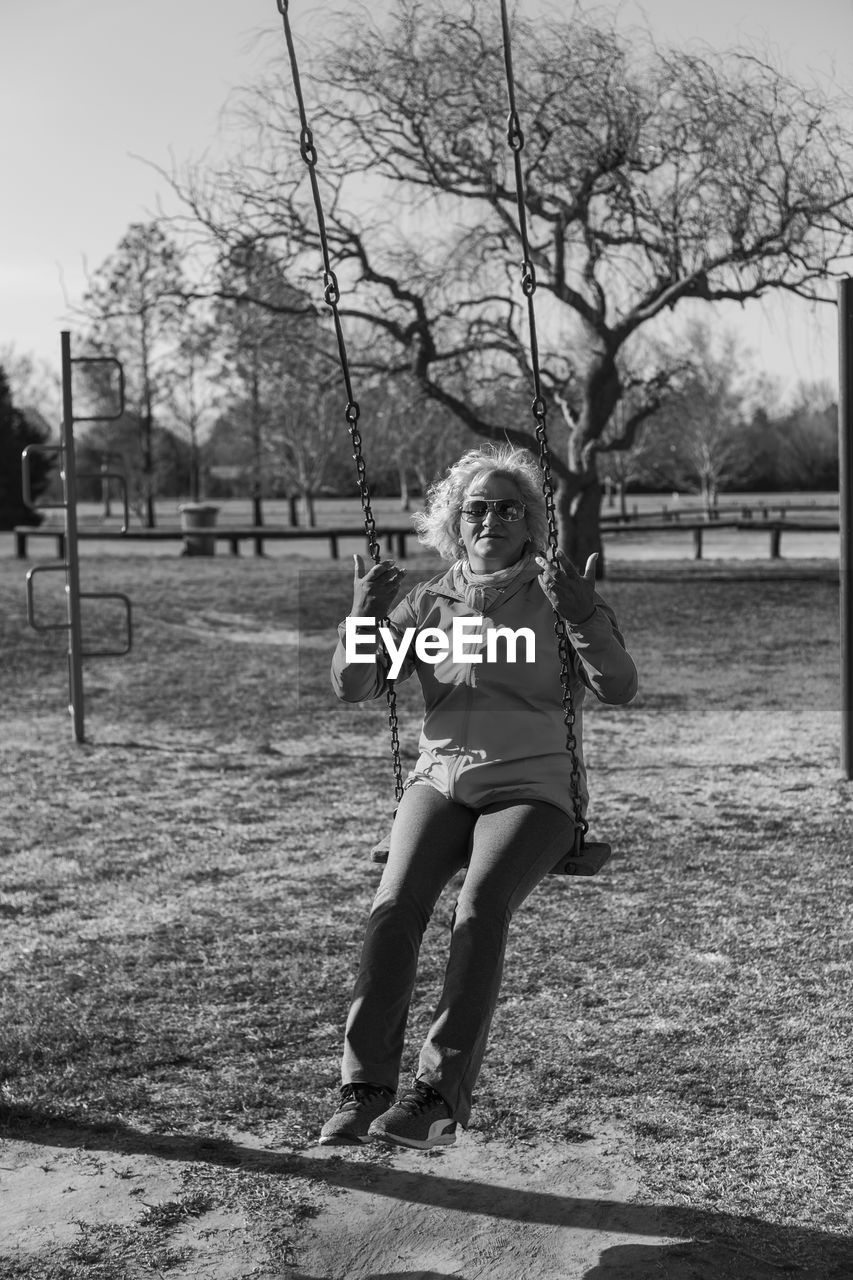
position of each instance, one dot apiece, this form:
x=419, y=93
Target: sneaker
x=360, y=1105
x=421, y=1119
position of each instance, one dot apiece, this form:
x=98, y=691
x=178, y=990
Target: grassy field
x=182, y=900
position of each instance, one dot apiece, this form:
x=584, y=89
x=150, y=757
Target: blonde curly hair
x=438, y=524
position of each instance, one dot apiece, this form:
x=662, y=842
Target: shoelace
x=420, y=1098
x=354, y=1095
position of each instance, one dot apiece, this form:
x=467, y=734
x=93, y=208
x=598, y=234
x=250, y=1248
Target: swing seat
x=586, y=862
x=379, y=852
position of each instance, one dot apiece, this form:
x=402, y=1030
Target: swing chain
x=395, y=742
x=331, y=288
x=363, y=487
x=331, y=291
x=332, y=297
x=515, y=139
x=306, y=147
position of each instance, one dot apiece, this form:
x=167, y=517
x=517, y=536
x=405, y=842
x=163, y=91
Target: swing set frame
x=584, y=857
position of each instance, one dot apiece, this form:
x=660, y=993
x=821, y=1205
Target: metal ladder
x=70, y=565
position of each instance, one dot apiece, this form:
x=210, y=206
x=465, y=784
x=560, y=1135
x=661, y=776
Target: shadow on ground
x=704, y=1242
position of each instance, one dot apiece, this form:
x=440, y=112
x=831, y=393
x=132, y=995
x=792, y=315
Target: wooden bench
x=698, y=528
x=394, y=539
x=776, y=527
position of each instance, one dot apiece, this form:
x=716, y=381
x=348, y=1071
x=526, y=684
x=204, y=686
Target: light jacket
x=494, y=730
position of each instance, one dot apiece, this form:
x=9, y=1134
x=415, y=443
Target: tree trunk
x=579, y=521
x=105, y=488
x=148, y=467
x=579, y=499
x=147, y=430
x=405, y=503
x=706, y=497
x=195, y=469
x=257, y=445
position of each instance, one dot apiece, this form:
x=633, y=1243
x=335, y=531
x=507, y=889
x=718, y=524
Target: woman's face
x=492, y=543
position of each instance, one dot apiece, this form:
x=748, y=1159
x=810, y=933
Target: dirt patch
x=64, y=1207
x=479, y=1209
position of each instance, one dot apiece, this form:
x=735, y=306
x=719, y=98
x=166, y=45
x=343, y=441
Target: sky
x=90, y=89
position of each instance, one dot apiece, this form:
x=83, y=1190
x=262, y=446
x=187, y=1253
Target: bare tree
x=410, y=432
x=35, y=384
x=809, y=438
x=652, y=176
x=702, y=440
x=301, y=437
x=271, y=340
x=619, y=468
x=132, y=307
x=192, y=390
x=16, y=434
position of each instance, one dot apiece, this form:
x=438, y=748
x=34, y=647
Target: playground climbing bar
x=845, y=512
x=72, y=558
x=70, y=563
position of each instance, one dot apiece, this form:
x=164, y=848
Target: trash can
x=196, y=517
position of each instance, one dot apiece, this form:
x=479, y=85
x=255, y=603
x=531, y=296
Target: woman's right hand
x=374, y=592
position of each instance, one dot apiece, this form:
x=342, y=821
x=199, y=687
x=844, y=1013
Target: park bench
x=774, y=528
x=395, y=539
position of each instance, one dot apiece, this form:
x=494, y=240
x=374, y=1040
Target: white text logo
x=465, y=643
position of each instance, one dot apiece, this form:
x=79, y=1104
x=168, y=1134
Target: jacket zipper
x=457, y=763
x=469, y=682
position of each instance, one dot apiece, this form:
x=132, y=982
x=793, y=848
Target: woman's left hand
x=572, y=594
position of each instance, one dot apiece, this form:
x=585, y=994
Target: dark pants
x=514, y=845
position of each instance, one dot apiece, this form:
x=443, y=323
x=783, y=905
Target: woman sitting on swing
x=490, y=790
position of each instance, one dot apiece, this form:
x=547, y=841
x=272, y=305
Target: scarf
x=481, y=591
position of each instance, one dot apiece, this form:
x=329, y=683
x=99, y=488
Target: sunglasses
x=507, y=509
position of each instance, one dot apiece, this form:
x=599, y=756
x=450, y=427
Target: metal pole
x=72, y=563
x=845, y=513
